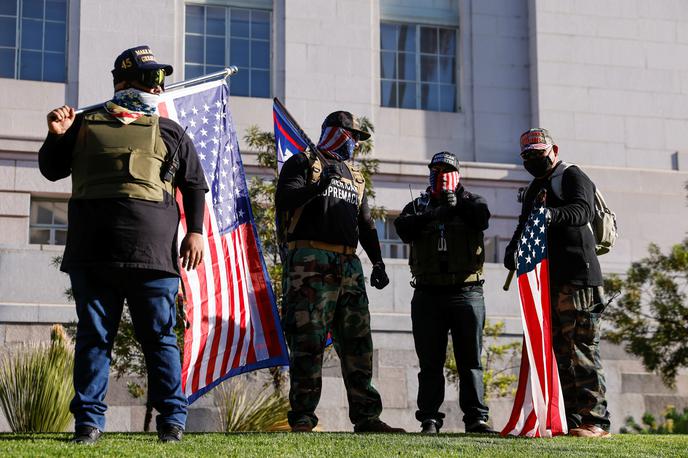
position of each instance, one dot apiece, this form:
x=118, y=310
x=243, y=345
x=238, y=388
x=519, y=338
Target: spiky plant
x=243, y=408
x=36, y=385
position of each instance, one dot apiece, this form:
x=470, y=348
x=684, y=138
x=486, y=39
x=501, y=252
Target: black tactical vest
x=447, y=253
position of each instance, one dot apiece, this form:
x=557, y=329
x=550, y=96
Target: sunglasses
x=152, y=78
x=533, y=154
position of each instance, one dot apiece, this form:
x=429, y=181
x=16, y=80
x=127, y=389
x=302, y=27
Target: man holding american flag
x=574, y=288
x=126, y=163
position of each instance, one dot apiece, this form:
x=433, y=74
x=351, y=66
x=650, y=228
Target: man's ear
x=555, y=148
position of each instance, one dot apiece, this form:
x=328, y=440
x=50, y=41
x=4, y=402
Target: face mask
x=136, y=100
x=337, y=142
x=345, y=151
x=538, y=167
x=441, y=181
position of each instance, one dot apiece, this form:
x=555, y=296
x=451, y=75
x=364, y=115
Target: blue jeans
x=433, y=315
x=99, y=297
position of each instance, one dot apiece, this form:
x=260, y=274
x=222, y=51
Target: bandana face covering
x=337, y=142
x=130, y=104
x=443, y=181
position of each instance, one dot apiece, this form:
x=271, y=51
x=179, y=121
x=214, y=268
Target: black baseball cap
x=135, y=60
x=347, y=121
x=445, y=157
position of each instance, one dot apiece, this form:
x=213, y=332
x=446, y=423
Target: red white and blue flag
x=230, y=306
x=288, y=139
x=539, y=404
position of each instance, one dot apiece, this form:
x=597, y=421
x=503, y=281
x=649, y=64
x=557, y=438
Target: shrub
x=245, y=408
x=36, y=385
x=674, y=423
x=499, y=360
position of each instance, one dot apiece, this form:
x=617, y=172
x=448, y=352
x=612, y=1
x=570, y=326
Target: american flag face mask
x=443, y=181
x=338, y=142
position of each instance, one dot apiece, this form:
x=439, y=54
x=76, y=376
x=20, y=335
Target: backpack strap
x=557, y=178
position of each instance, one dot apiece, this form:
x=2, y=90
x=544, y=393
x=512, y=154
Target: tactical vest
x=447, y=253
x=112, y=159
x=287, y=221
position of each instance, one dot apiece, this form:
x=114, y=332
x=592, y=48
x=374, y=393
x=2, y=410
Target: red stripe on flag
x=162, y=111
x=520, y=392
x=236, y=362
x=203, y=305
x=231, y=303
x=260, y=287
x=533, y=327
x=284, y=132
x=217, y=327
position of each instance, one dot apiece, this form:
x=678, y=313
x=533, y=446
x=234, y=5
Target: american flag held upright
x=233, y=321
x=539, y=404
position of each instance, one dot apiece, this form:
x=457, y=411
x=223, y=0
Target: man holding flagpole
x=324, y=288
x=126, y=163
x=575, y=280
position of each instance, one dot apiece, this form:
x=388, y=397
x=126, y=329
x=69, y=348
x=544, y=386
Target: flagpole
x=227, y=72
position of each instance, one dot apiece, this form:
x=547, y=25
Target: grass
x=326, y=445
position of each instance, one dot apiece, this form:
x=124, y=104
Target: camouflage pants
x=576, y=312
x=325, y=292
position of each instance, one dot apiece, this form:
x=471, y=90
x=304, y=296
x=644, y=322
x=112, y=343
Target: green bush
x=674, y=423
x=243, y=408
x=499, y=359
x=36, y=385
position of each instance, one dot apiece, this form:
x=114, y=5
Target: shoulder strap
x=359, y=181
x=557, y=177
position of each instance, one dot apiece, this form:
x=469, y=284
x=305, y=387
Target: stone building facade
x=609, y=79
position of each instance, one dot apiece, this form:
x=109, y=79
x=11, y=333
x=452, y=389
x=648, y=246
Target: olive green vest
x=112, y=159
x=447, y=253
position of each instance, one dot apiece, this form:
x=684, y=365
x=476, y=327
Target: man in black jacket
x=576, y=292
x=122, y=235
x=445, y=230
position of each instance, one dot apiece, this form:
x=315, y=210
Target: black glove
x=379, y=278
x=329, y=173
x=510, y=257
x=449, y=198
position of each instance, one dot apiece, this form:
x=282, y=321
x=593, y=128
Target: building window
x=33, y=40
x=418, y=66
x=390, y=243
x=217, y=37
x=48, y=222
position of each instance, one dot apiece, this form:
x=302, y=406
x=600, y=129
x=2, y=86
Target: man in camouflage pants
x=576, y=292
x=324, y=286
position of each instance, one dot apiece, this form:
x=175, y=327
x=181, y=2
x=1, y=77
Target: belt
x=341, y=249
x=447, y=280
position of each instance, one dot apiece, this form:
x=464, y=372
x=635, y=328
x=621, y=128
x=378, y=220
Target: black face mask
x=538, y=167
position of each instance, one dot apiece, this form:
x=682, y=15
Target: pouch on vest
x=111, y=159
x=446, y=253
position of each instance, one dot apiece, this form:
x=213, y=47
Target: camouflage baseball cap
x=536, y=138
x=347, y=121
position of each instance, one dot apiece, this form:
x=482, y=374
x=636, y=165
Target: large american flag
x=539, y=404
x=230, y=307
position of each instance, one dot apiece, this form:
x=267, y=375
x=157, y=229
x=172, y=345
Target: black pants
x=433, y=315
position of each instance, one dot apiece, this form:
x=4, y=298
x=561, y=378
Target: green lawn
x=326, y=445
